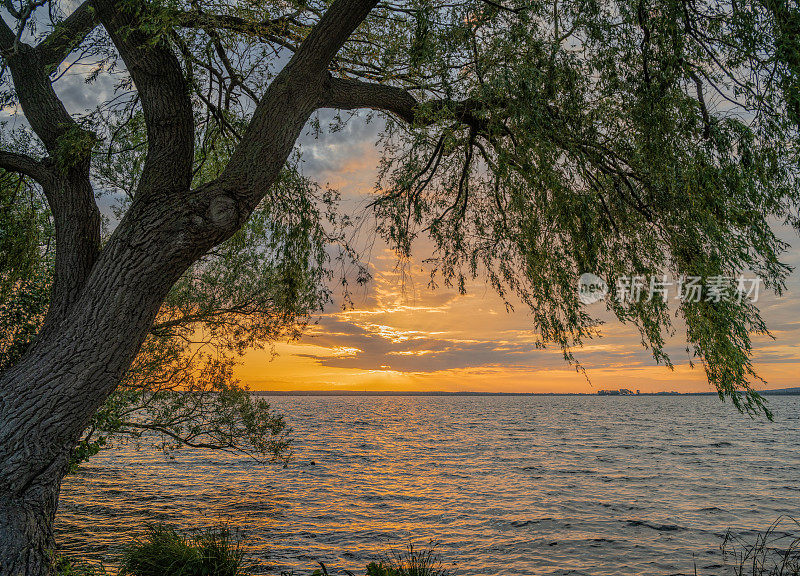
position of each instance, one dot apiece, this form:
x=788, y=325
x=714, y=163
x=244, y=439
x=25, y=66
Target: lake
x=505, y=485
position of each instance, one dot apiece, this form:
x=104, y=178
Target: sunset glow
x=400, y=335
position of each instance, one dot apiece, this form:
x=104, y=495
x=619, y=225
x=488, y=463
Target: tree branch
x=42, y=108
x=67, y=36
x=348, y=94
x=279, y=118
x=24, y=164
x=164, y=94
x=68, y=190
x=330, y=34
x=263, y=29
x=7, y=37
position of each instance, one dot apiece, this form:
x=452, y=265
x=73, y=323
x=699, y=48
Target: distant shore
x=777, y=392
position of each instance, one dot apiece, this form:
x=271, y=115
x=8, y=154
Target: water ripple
x=516, y=485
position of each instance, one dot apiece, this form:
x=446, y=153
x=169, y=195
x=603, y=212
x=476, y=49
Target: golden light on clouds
x=403, y=337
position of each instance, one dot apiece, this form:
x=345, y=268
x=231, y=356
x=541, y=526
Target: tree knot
x=223, y=212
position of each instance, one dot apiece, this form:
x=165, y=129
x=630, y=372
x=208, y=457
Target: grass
x=410, y=562
x=68, y=567
x=775, y=552
x=163, y=551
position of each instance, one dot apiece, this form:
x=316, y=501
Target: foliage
x=180, y=390
x=26, y=250
x=165, y=552
x=197, y=404
x=22, y=310
x=622, y=138
x=261, y=285
x=775, y=552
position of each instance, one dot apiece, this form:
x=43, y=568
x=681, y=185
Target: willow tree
x=530, y=140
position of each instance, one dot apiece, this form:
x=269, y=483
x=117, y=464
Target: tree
x=531, y=141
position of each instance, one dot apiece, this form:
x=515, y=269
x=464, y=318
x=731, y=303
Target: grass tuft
x=64, y=566
x=165, y=552
x=410, y=562
x=775, y=552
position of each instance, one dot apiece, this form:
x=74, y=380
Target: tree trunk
x=26, y=525
x=48, y=397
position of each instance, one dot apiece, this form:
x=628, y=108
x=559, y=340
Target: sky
x=401, y=335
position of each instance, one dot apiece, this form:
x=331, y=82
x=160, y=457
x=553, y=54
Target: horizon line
x=778, y=391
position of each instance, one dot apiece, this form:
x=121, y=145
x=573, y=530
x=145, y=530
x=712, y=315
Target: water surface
x=506, y=485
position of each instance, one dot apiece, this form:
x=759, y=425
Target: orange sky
x=401, y=336
x=418, y=340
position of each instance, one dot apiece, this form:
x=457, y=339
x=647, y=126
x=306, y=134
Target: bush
x=775, y=552
x=165, y=552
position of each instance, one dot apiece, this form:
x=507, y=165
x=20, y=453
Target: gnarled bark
x=26, y=534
